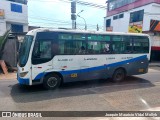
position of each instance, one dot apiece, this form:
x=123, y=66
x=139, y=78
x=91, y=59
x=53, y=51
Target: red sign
x=1, y=12
x=155, y=25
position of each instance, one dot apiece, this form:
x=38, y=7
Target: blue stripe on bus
x=104, y=66
x=39, y=76
x=23, y=81
x=127, y=61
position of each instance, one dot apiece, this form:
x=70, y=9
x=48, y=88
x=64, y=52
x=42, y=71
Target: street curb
x=154, y=65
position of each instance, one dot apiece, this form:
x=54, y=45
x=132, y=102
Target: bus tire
x=119, y=75
x=51, y=82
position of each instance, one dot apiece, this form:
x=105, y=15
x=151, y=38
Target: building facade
x=136, y=16
x=13, y=16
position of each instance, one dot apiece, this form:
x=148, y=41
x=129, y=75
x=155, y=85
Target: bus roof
x=33, y=32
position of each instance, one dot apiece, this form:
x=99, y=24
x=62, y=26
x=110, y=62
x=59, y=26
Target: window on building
x=121, y=15
x=115, y=17
x=16, y=28
x=108, y=22
x=118, y=16
x=136, y=16
x=119, y=3
x=16, y=8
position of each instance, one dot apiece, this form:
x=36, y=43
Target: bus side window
x=94, y=47
x=106, y=49
x=141, y=44
x=36, y=51
x=117, y=44
x=55, y=48
x=82, y=50
x=45, y=49
x=122, y=45
x=71, y=47
x=128, y=44
x=42, y=51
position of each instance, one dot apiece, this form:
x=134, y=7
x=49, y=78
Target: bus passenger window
x=82, y=50
x=106, y=48
x=122, y=45
x=128, y=44
x=69, y=47
x=118, y=45
x=55, y=48
x=94, y=47
x=141, y=44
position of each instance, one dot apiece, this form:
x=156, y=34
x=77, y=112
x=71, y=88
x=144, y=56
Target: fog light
x=23, y=74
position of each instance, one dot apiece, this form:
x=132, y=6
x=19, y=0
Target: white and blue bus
x=52, y=56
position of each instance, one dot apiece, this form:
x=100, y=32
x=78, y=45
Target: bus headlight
x=23, y=74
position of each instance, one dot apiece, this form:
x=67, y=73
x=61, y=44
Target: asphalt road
x=134, y=94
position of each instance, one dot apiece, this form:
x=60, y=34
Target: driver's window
x=45, y=49
x=42, y=51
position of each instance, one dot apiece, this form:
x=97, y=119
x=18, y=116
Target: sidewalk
x=8, y=76
x=154, y=64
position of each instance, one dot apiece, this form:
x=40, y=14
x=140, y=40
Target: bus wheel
x=119, y=75
x=51, y=82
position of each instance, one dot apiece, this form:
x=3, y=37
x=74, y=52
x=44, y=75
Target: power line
x=90, y=4
x=54, y=23
x=58, y=21
x=78, y=2
x=40, y=18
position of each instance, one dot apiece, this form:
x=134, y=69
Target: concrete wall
x=13, y=17
x=10, y=55
x=2, y=27
x=152, y=10
x=121, y=25
x=155, y=40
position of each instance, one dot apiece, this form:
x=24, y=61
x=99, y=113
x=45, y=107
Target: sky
x=57, y=13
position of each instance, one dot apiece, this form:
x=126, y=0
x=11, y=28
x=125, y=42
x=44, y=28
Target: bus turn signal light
x=23, y=74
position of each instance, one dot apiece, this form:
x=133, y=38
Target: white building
x=138, y=16
x=13, y=16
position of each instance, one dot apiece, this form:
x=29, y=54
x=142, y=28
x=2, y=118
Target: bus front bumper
x=23, y=81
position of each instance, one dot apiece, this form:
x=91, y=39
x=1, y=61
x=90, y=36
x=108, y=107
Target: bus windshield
x=24, y=50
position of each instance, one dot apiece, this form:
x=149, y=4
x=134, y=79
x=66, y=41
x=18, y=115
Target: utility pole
x=73, y=14
x=97, y=27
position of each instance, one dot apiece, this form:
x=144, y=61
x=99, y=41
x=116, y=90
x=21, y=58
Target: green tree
x=3, y=40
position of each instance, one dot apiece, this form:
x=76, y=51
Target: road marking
x=152, y=109
x=157, y=83
x=153, y=70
